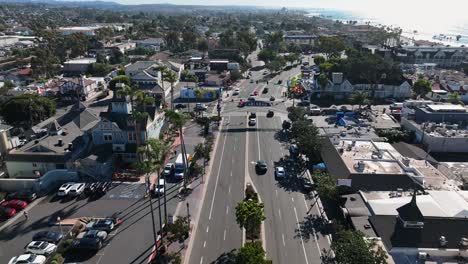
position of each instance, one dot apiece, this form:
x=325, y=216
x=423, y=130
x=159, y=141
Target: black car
x=23, y=195
x=307, y=185
x=87, y=243
x=252, y=115
x=261, y=166
x=265, y=90
x=270, y=113
x=91, y=188
x=280, y=81
x=48, y=236
x=180, y=106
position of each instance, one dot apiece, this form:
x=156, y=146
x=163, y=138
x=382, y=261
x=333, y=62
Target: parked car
x=102, y=224
x=307, y=185
x=159, y=188
x=41, y=248
x=251, y=98
x=236, y=92
x=77, y=189
x=15, y=204
x=100, y=234
x=23, y=195
x=180, y=106
x=251, y=81
x=261, y=166
x=65, y=189
x=255, y=93
x=280, y=81
x=86, y=243
x=265, y=90
x=279, y=172
x=270, y=113
x=253, y=115
x=168, y=170
x=28, y=259
x=200, y=107
x=7, y=212
x=293, y=150
x=48, y=236
x=272, y=98
x=252, y=121
x=90, y=188
x=241, y=104
x=314, y=109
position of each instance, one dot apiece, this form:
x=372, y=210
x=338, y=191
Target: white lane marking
x=305, y=202
x=276, y=191
x=227, y=210
x=204, y=244
x=284, y=243
x=316, y=241
x=201, y=260
x=292, y=198
x=258, y=141
x=217, y=176
x=282, y=153
x=224, y=236
x=302, y=240
x=207, y=229
x=231, y=173
x=229, y=190
x=279, y=212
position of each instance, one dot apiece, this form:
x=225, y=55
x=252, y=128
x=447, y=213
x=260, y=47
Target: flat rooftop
x=446, y=108
x=81, y=61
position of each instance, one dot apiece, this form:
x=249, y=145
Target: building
x=441, y=113
x=151, y=43
x=123, y=46
x=8, y=41
x=77, y=66
x=5, y=141
x=57, y=144
x=72, y=88
x=20, y=76
x=88, y=31
x=442, y=56
x=365, y=164
x=121, y=133
x=301, y=40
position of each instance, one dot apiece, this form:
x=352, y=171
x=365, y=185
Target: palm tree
x=359, y=98
x=137, y=117
x=163, y=70
x=178, y=120
x=172, y=78
x=143, y=99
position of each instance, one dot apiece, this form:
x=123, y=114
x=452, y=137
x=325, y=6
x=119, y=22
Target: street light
x=59, y=220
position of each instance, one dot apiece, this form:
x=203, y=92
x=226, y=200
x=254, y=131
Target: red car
x=255, y=93
x=15, y=204
x=7, y=212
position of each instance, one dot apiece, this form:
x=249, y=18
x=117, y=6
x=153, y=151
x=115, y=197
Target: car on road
x=272, y=98
x=168, y=170
x=270, y=113
x=180, y=106
x=236, y=92
x=265, y=90
x=279, y=172
x=15, y=204
x=28, y=259
x=251, y=98
x=265, y=73
x=307, y=185
x=252, y=115
x=159, y=188
x=241, y=103
x=48, y=236
x=314, y=110
x=6, y=212
x=86, y=244
x=293, y=150
x=77, y=189
x=40, y=248
x=23, y=195
x=102, y=224
x=280, y=81
x=200, y=107
x=261, y=166
x=251, y=81
x=65, y=189
x=100, y=234
x=252, y=121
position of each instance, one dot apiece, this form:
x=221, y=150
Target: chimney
x=60, y=142
x=70, y=146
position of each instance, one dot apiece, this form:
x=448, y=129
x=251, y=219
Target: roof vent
x=443, y=241
x=360, y=165
x=406, y=161
x=60, y=142
x=464, y=242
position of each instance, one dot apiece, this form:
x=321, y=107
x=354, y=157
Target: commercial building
x=88, y=31
x=455, y=114
x=441, y=56
x=301, y=40
x=77, y=66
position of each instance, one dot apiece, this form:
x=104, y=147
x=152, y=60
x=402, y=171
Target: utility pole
x=152, y=218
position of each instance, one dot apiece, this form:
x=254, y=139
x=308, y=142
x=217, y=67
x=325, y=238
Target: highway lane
x=285, y=206
x=217, y=231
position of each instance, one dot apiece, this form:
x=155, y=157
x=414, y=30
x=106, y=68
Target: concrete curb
x=20, y=213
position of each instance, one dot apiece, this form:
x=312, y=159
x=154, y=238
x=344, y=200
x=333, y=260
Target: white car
x=65, y=189
x=252, y=122
x=41, y=248
x=28, y=259
x=77, y=189
x=159, y=189
x=279, y=172
x=251, y=98
x=314, y=109
x=168, y=169
x=236, y=92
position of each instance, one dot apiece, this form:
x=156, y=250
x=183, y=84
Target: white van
x=179, y=166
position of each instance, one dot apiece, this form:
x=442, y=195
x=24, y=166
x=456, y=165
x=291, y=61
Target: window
x=107, y=137
x=131, y=136
x=34, y=165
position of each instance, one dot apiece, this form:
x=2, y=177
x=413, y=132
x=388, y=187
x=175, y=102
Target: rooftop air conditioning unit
x=422, y=255
x=443, y=241
x=349, y=147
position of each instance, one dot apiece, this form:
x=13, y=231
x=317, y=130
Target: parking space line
x=227, y=210
x=279, y=212
x=292, y=198
x=207, y=229
x=201, y=260
x=224, y=236
x=204, y=244
x=284, y=244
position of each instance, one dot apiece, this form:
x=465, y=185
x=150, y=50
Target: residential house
x=88, y=31
x=301, y=40
x=57, y=143
x=77, y=67
x=442, y=56
x=20, y=76
x=151, y=43
x=122, y=47
x=82, y=88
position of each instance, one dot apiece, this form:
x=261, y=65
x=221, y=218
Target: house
x=20, y=76
x=58, y=143
x=22, y=44
x=441, y=56
x=117, y=129
x=88, y=31
x=77, y=66
x=301, y=40
x=151, y=43
x=122, y=47
x=82, y=88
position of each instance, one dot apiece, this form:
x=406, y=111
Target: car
x=159, y=188
x=241, y=104
x=307, y=185
x=314, y=109
x=265, y=90
x=252, y=115
x=168, y=170
x=28, y=259
x=103, y=187
x=180, y=106
x=15, y=204
x=7, y=212
x=255, y=93
x=40, y=248
x=48, y=236
x=251, y=98
x=100, y=234
x=200, y=107
x=23, y=195
x=272, y=98
x=265, y=73
x=293, y=150
x=77, y=189
x=65, y=189
x=261, y=166
x=86, y=244
x=90, y=188
x=280, y=81
x=303, y=103
x=102, y=224
x=252, y=122
x=270, y=113
x=251, y=81
x=279, y=172
x=236, y=92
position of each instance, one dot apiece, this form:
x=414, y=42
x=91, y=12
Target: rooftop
x=81, y=61
x=446, y=108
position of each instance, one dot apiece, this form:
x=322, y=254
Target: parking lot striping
x=204, y=244
x=227, y=210
x=224, y=236
x=300, y=235
x=229, y=190
x=231, y=173
x=207, y=229
x=217, y=176
x=284, y=244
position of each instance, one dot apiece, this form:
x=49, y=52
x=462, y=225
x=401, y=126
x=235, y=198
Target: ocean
x=433, y=28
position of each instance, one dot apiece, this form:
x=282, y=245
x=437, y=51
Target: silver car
x=40, y=248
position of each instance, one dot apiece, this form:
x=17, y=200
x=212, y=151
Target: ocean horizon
x=446, y=30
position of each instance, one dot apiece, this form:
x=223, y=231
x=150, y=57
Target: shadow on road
x=295, y=169
x=226, y=258
x=310, y=226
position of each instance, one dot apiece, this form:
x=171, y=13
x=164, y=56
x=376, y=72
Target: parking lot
x=129, y=243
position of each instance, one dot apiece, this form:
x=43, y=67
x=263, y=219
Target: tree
x=296, y=113
x=331, y=46
x=276, y=65
x=189, y=39
x=307, y=138
x=98, y=69
x=327, y=66
x=27, y=110
x=171, y=77
x=322, y=80
x=172, y=40
x=266, y=55
x=179, y=230
x=421, y=87
x=204, y=122
x=350, y=247
x=178, y=120
x=454, y=98
x=286, y=125
x=251, y=253
x=235, y=75
x=359, y=98
x=274, y=40
x=7, y=85
x=319, y=60
x=116, y=57
x=326, y=187
x=202, y=45
x=249, y=215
